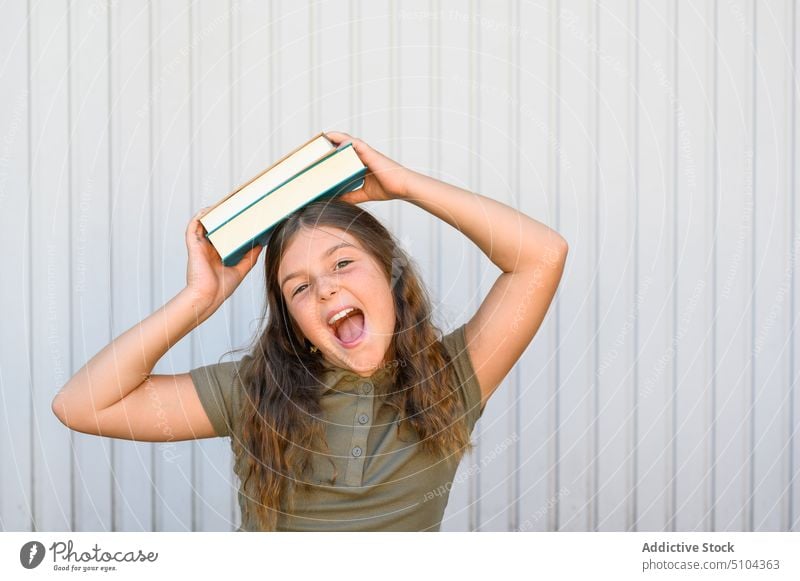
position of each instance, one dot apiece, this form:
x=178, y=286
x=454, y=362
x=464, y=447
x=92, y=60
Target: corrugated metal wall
x=658, y=137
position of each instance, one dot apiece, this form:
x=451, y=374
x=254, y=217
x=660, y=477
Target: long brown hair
x=281, y=415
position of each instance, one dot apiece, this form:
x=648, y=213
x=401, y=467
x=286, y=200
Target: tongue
x=351, y=327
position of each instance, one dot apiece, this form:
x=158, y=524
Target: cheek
x=382, y=301
x=301, y=314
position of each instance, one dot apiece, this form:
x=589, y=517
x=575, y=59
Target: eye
x=345, y=261
x=298, y=289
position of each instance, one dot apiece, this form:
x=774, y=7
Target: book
x=247, y=216
x=283, y=169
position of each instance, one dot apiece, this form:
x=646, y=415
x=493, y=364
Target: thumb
x=347, y=197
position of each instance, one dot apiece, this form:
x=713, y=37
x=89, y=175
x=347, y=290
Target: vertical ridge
x=110, y=187
x=70, y=245
x=150, y=193
x=514, y=121
x=31, y=435
x=555, y=112
x=793, y=237
x=313, y=122
x=393, y=101
x=193, y=344
x=235, y=159
x=594, y=460
x=471, y=132
x=634, y=432
x=749, y=512
x=672, y=475
x=476, y=261
x=715, y=197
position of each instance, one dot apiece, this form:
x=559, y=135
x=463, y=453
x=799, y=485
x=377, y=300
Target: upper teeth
x=340, y=315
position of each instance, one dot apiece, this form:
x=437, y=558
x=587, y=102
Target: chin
x=360, y=363
x=362, y=367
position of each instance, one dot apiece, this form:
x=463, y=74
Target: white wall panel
x=132, y=237
x=16, y=381
x=733, y=257
x=51, y=235
x=649, y=436
x=90, y=258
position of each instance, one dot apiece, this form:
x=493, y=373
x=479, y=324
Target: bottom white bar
x=398, y=555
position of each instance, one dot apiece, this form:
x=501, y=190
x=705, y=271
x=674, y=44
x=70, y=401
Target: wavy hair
x=281, y=415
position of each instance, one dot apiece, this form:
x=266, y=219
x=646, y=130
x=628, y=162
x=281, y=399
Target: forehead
x=309, y=245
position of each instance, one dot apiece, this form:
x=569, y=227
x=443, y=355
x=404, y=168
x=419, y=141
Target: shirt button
x=366, y=387
x=356, y=451
x=363, y=418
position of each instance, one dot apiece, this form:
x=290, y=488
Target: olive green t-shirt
x=383, y=483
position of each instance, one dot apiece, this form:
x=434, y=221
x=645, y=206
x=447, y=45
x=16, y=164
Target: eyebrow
x=328, y=252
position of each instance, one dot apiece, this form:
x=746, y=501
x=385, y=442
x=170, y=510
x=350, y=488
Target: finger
x=354, y=197
x=196, y=217
x=195, y=231
x=338, y=136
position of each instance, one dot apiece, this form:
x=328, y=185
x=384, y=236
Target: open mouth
x=350, y=328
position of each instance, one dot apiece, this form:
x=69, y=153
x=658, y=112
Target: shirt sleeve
x=456, y=346
x=220, y=389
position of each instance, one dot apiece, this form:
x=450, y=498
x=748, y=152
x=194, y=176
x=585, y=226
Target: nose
x=328, y=285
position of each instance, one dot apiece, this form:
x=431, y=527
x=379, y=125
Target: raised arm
x=530, y=255
x=115, y=395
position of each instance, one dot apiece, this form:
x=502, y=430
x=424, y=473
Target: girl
x=348, y=413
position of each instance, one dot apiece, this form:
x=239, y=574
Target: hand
x=385, y=179
x=208, y=281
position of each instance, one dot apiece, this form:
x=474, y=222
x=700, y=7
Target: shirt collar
x=337, y=378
